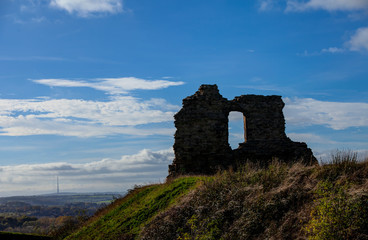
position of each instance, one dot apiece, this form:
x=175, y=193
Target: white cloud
x=85, y=8
x=330, y=50
x=103, y=175
x=310, y=138
x=38, y=19
x=236, y=116
x=86, y=118
x=359, y=41
x=328, y=5
x=333, y=50
x=266, y=5
x=335, y=115
x=81, y=118
x=111, y=85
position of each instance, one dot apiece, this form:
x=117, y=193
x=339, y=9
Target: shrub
x=342, y=163
x=337, y=215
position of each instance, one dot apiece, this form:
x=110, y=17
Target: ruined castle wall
x=201, y=140
x=264, y=117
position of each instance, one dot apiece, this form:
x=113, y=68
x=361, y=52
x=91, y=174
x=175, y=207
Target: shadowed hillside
x=281, y=202
x=20, y=236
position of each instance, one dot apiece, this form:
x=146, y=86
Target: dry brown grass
x=277, y=202
x=257, y=203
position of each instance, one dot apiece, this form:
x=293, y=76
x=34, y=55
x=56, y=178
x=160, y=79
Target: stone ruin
x=201, y=139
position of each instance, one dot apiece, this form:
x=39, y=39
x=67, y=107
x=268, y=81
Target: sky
x=89, y=88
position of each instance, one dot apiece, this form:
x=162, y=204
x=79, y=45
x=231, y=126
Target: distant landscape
x=43, y=213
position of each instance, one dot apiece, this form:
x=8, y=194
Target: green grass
x=126, y=217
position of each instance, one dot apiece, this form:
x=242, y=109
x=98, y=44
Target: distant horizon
x=89, y=89
x=64, y=193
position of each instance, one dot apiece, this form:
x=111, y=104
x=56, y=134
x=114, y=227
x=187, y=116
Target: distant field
x=42, y=213
x=62, y=199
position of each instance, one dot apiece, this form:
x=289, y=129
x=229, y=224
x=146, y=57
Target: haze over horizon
x=90, y=87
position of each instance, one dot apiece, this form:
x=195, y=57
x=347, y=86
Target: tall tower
x=57, y=185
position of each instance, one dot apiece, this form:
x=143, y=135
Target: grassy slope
x=281, y=202
x=125, y=217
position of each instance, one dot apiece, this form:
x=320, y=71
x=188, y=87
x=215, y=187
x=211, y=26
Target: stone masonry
x=201, y=139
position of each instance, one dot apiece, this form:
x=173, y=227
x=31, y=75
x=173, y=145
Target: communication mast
x=57, y=185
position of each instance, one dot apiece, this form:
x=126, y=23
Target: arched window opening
x=237, y=129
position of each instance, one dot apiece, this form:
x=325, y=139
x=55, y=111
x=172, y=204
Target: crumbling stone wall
x=201, y=139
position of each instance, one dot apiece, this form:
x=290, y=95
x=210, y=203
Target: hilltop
x=295, y=201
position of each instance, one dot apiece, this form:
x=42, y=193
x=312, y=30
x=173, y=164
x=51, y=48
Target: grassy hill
x=281, y=202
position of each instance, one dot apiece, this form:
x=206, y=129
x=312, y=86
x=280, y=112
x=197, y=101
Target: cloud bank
x=104, y=175
x=120, y=114
x=335, y=115
x=82, y=118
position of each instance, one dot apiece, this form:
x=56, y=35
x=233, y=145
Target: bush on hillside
x=338, y=215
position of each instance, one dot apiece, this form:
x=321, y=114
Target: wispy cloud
x=86, y=8
x=330, y=50
x=81, y=118
x=333, y=50
x=329, y=5
x=120, y=114
x=111, y=85
x=335, y=115
x=266, y=5
x=310, y=138
x=38, y=19
x=306, y=5
x=104, y=175
x=263, y=86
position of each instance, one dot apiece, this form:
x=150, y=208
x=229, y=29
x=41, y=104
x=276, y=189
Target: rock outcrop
x=201, y=139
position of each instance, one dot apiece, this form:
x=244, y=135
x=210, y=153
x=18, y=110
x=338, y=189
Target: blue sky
x=89, y=87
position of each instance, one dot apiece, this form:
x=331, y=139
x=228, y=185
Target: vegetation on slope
x=329, y=201
x=125, y=217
